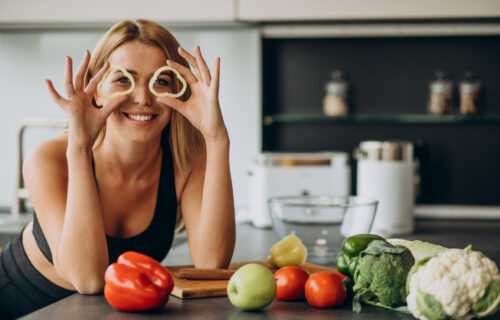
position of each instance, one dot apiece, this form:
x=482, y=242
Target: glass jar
x=335, y=100
x=440, y=94
x=469, y=94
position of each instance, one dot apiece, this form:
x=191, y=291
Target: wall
x=28, y=57
x=390, y=76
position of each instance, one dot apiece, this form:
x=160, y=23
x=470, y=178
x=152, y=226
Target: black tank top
x=157, y=239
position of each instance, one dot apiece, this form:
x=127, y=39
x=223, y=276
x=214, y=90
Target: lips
x=140, y=116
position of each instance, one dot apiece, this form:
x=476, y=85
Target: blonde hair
x=186, y=142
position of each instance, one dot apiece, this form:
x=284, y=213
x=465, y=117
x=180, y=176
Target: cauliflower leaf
x=490, y=301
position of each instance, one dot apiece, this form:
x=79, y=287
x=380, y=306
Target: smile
x=140, y=117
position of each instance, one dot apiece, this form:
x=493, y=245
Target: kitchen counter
x=253, y=244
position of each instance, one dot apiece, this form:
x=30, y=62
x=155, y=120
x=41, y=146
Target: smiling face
x=138, y=117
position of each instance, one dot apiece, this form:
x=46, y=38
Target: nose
x=142, y=96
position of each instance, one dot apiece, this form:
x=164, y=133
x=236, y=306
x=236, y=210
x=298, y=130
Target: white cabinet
x=109, y=11
x=300, y=10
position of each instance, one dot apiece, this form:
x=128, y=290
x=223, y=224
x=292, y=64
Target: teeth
x=140, y=117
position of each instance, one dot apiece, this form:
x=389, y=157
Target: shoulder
x=49, y=156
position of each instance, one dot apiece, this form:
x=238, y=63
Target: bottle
x=334, y=102
x=469, y=93
x=440, y=94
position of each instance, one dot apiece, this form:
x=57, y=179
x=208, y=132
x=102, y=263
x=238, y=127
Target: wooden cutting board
x=185, y=289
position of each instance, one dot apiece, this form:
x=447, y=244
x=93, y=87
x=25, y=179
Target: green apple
x=251, y=287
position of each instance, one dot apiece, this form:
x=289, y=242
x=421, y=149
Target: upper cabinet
x=109, y=11
x=300, y=10
x=18, y=13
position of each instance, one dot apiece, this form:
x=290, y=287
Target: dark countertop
x=253, y=244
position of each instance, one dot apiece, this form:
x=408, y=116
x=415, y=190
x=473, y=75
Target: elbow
x=82, y=282
x=212, y=265
x=89, y=286
x=214, y=261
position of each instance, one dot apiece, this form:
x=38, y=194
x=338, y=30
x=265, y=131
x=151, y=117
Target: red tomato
x=342, y=276
x=290, y=282
x=325, y=289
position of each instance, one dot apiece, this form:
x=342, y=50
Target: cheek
x=167, y=115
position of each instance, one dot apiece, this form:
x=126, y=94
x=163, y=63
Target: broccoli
x=380, y=277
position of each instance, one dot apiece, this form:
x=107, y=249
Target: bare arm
x=210, y=222
x=65, y=198
x=69, y=210
x=207, y=200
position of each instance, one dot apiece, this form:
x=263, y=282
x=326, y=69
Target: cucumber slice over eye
x=167, y=94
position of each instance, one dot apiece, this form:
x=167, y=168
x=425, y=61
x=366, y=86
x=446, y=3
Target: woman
x=125, y=174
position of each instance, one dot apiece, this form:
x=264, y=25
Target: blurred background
x=296, y=78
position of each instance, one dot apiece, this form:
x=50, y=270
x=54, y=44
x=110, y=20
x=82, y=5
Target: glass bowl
x=322, y=222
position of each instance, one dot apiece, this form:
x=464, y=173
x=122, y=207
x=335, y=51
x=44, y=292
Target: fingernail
x=169, y=61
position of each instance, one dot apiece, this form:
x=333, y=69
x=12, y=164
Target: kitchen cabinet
x=298, y=10
x=105, y=12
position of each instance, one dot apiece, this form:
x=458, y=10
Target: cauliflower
x=456, y=284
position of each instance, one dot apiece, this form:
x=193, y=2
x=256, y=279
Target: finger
x=214, y=85
x=173, y=103
x=202, y=65
x=55, y=96
x=92, y=85
x=185, y=72
x=111, y=106
x=191, y=60
x=80, y=74
x=68, y=78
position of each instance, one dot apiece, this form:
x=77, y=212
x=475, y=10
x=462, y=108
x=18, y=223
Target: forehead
x=138, y=56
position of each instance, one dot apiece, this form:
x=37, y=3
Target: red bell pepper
x=137, y=282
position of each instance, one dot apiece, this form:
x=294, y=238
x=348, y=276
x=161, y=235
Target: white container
x=385, y=172
x=295, y=174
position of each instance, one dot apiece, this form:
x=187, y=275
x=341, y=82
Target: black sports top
x=157, y=239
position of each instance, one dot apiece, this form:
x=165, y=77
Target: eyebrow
x=165, y=73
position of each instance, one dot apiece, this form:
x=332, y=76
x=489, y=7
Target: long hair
x=186, y=142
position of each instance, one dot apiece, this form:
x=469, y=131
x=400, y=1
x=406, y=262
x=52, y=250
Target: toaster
x=290, y=174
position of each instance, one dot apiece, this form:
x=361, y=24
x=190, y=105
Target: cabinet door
x=300, y=10
x=110, y=11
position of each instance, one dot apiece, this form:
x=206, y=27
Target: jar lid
x=384, y=150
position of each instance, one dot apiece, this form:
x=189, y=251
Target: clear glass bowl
x=322, y=222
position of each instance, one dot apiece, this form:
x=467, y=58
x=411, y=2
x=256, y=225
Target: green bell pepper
x=353, y=245
x=342, y=263
x=347, y=260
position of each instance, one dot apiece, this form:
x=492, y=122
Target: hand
x=202, y=109
x=85, y=121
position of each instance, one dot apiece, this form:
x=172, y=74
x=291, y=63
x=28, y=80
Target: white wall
x=28, y=57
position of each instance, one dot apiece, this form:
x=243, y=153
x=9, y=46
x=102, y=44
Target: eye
x=162, y=82
x=123, y=80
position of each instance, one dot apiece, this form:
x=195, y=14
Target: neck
x=130, y=160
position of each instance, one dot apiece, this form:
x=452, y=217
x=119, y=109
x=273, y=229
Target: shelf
x=380, y=119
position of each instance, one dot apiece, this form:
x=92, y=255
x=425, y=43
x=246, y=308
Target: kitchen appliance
x=386, y=172
x=289, y=174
